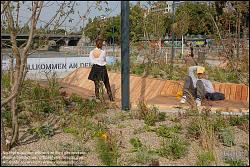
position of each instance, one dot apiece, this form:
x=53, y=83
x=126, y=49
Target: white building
x=167, y=6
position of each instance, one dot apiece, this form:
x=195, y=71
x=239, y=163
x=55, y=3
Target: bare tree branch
x=5, y=4
x=17, y=15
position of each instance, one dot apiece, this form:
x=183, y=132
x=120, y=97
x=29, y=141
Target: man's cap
x=200, y=70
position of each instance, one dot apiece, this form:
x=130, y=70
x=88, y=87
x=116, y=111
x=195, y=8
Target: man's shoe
x=183, y=100
x=198, y=102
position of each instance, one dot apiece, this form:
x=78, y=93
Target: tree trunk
x=15, y=126
x=238, y=35
x=4, y=146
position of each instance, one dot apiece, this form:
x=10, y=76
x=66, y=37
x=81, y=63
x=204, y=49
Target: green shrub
x=45, y=107
x=193, y=130
x=150, y=119
x=168, y=132
x=108, y=150
x=85, y=107
x=75, y=98
x=5, y=81
x=174, y=118
x=44, y=131
x=176, y=128
x=162, y=116
x=234, y=162
x=151, y=115
x=40, y=100
x=144, y=155
x=70, y=130
x=6, y=116
x=138, y=69
x=173, y=148
x=91, y=107
x=163, y=71
x=227, y=137
x=136, y=143
x=219, y=122
x=23, y=119
x=205, y=158
x=238, y=120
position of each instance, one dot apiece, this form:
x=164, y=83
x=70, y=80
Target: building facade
x=167, y=6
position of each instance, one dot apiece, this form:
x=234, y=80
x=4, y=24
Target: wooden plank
x=217, y=87
x=232, y=92
x=142, y=88
x=170, y=89
x=151, y=87
x=160, y=85
x=134, y=87
x=165, y=90
x=238, y=92
x=222, y=88
x=244, y=93
x=175, y=88
x=248, y=94
x=227, y=91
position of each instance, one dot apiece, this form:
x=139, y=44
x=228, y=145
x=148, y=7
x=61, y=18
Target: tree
x=155, y=21
x=192, y=15
x=92, y=29
x=135, y=18
x=103, y=28
x=181, y=26
x=10, y=11
x=21, y=59
x=232, y=12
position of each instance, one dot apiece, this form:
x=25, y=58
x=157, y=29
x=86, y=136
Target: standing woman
x=98, y=71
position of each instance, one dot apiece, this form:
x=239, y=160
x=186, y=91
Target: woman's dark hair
x=99, y=43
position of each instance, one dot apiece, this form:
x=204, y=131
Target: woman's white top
x=98, y=56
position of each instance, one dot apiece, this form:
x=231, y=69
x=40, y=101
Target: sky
x=80, y=9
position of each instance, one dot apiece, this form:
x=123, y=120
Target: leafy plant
x=75, y=98
x=39, y=101
x=6, y=116
x=219, y=122
x=70, y=130
x=238, y=120
x=5, y=81
x=168, y=132
x=193, y=130
x=136, y=143
x=23, y=119
x=44, y=131
x=85, y=106
x=205, y=158
x=144, y=155
x=234, y=162
x=162, y=116
x=163, y=71
x=107, y=149
x=173, y=148
x=151, y=115
x=174, y=118
x=150, y=119
x=227, y=137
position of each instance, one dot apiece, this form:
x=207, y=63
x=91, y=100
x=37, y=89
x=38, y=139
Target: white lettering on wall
x=60, y=64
